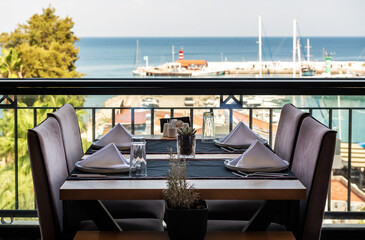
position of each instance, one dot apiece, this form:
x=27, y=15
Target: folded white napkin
x=118, y=135
x=241, y=135
x=258, y=156
x=108, y=157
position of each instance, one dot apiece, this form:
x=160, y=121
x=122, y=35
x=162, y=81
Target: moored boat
x=184, y=68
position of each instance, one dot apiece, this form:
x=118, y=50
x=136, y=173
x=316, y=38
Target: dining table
x=225, y=185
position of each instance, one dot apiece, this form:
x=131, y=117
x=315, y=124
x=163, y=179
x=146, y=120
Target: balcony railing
x=175, y=87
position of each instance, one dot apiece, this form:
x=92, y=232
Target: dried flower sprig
x=179, y=193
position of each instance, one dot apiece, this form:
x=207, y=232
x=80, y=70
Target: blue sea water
x=116, y=57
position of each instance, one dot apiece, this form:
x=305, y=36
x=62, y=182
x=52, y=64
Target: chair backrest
x=67, y=119
x=286, y=136
x=312, y=164
x=49, y=170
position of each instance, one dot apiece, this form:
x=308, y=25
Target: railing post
x=250, y=118
x=113, y=117
x=34, y=117
x=329, y=184
x=16, y=152
x=132, y=120
x=270, y=127
x=230, y=119
x=152, y=121
x=35, y=124
x=93, y=124
x=349, y=162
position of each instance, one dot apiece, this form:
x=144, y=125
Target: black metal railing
x=32, y=213
x=177, y=87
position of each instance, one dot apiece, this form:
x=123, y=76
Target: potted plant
x=186, y=142
x=186, y=215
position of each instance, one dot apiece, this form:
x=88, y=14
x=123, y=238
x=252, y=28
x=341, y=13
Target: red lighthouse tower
x=181, y=54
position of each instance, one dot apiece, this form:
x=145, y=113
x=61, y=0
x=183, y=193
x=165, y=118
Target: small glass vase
x=186, y=146
x=208, y=133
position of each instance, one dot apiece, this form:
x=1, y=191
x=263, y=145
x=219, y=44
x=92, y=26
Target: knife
x=89, y=175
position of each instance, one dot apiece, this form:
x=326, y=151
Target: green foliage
x=187, y=131
x=7, y=144
x=46, y=46
x=179, y=193
x=10, y=64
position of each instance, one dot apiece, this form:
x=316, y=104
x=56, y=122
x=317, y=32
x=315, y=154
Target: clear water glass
x=138, y=161
x=208, y=133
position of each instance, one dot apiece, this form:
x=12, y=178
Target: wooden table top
x=134, y=235
x=267, y=189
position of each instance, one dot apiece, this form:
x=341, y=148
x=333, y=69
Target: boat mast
x=308, y=50
x=137, y=53
x=299, y=59
x=260, y=48
x=173, y=53
x=294, y=44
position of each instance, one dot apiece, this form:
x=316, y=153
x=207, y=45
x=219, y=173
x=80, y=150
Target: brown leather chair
x=67, y=119
x=312, y=164
x=49, y=170
x=285, y=141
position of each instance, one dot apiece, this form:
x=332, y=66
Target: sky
x=202, y=18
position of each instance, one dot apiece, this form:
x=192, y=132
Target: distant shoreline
x=135, y=37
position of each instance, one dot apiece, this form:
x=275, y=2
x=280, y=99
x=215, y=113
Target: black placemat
x=196, y=169
x=162, y=146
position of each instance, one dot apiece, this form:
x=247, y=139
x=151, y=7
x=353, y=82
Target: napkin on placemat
x=258, y=156
x=108, y=157
x=120, y=136
x=241, y=135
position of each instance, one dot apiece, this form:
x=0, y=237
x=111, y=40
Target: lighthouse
x=181, y=54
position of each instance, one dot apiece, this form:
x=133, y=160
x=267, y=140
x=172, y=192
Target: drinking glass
x=186, y=146
x=138, y=161
x=208, y=133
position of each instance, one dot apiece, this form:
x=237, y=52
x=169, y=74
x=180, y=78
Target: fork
x=246, y=175
x=226, y=149
x=264, y=173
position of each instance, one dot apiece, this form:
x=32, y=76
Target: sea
x=116, y=57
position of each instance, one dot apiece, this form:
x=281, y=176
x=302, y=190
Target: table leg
x=101, y=216
x=263, y=216
x=293, y=217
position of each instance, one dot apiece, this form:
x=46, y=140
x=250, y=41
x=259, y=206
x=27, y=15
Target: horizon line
x=207, y=36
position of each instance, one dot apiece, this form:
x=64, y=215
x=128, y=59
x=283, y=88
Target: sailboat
x=139, y=71
x=308, y=71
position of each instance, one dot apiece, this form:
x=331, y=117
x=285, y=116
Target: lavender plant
x=179, y=193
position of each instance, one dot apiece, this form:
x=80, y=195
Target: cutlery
x=226, y=149
x=89, y=175
x=246, y=175
x=239, y=175
x=236, y=149
x=264, y=173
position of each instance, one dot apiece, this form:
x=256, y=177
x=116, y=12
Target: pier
x=354, y=68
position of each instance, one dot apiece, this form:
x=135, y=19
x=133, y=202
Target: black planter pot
x=187, y=223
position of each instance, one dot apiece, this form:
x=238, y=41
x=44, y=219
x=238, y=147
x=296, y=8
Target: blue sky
x=125, y=18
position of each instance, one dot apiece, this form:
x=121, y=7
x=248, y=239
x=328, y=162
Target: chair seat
x=232, y=209
x=135, y=208
x=235, y=225
x=130, y=224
